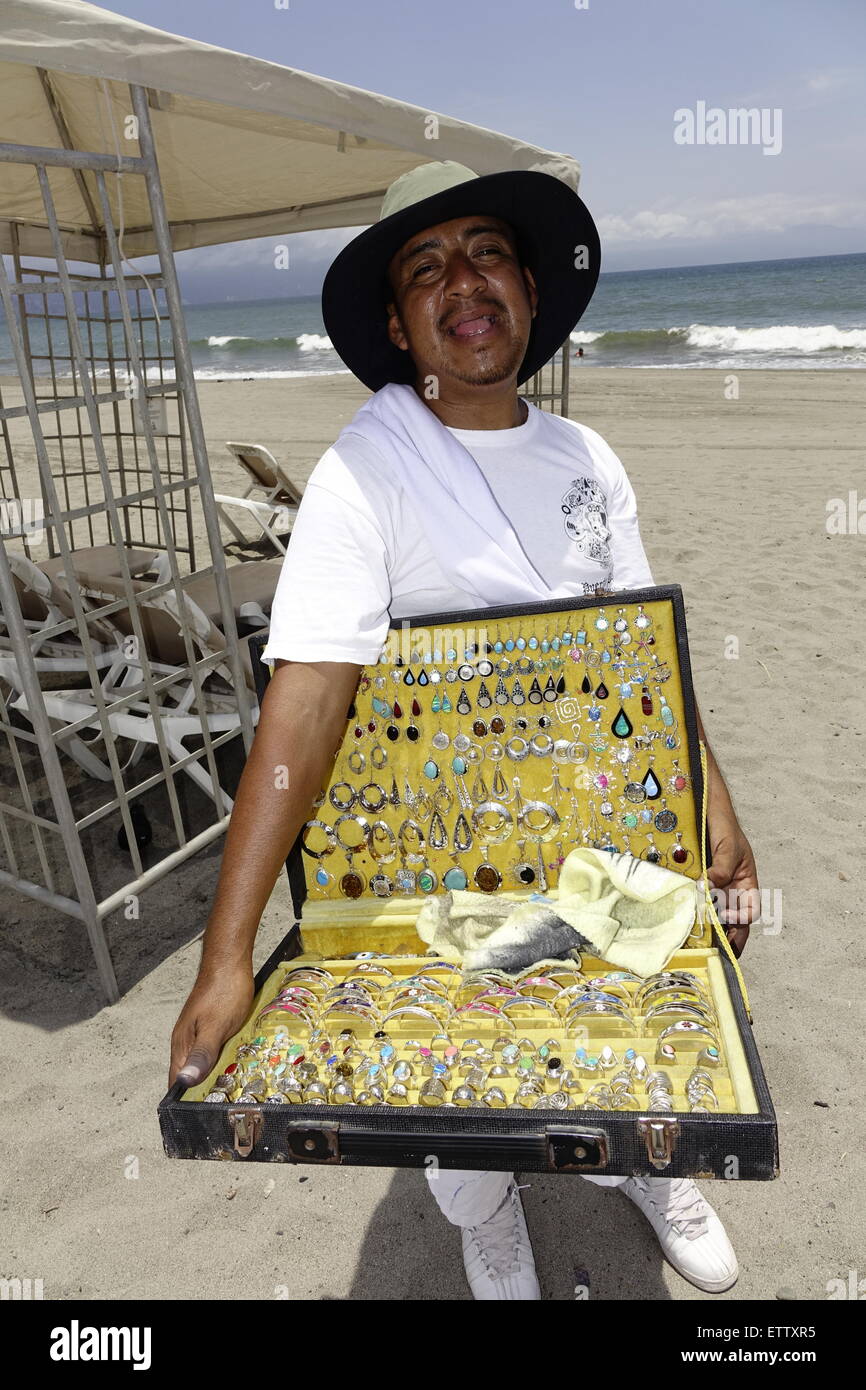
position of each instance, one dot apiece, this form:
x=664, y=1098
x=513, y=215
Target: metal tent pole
x=186, y=377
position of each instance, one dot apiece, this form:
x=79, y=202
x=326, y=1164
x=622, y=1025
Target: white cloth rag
x=627, y=911
x=470, y=535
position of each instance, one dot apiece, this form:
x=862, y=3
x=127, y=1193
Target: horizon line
x=642, y=270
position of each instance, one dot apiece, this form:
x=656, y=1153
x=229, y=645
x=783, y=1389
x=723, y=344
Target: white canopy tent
x=121, y=141
x=246, y=148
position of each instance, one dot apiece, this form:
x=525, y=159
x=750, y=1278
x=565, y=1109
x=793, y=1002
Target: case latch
x=575, y=1150
x=308, y=1143
x=660, y=1135
x=246, y=1125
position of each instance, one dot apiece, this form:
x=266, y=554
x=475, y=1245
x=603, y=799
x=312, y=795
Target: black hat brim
x=551, y=224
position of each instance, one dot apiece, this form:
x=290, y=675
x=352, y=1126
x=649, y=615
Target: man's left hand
x=733, y=870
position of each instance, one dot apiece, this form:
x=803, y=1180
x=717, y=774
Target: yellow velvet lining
x=571, y=788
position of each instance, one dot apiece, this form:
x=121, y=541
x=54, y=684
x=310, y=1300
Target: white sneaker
x=498, y=1255
x=689, y=1231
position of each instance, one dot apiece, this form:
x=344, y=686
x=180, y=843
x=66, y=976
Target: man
x=462, y=290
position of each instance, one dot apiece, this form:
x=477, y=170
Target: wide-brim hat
x=556, y=238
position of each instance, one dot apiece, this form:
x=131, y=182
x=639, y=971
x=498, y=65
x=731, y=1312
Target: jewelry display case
x=479, y=751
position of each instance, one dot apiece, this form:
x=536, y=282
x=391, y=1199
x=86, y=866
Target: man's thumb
x=200, y=1060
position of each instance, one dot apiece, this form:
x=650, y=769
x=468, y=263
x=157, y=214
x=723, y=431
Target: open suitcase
x=572, y=724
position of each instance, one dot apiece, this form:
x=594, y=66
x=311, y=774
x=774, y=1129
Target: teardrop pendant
x=601, y=691
x=462, y=834
x=446, y=704
x=501, y=696
x=479, y=790
x=622, y=725
x=409, y=679
x=437, y=703
x=483, y=699
x=416, y=709
x=653, y=788
x=423, y=678
x=463, y=704
x=535, y=695
x=586, y=685
x=500, y=786
x=398, y=713
x=550, y=690
x=437, y=836
x=517, y=695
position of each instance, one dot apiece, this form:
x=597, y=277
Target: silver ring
x=364, y=800
x=546, y=743
x=492, y=837
x=331, y=834
x=549, y=831
x=391, y=852
x=335, y=800
x=365, y=826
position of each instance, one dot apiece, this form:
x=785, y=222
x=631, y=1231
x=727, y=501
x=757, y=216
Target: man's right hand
x=302, y=719
x=217, y=1007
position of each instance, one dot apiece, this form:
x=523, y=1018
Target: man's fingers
x=721, y=871
x=737, y=886
x=737, y=936
x=742, y=906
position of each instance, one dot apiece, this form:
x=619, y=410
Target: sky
x=601, y=82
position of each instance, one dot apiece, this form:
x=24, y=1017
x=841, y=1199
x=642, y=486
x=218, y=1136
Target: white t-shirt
x=358, y=555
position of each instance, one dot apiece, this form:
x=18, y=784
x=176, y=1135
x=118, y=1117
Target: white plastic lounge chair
x=270, y=495
x=163, y=712
x=44, y=603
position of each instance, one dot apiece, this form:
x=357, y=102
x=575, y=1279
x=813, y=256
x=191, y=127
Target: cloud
x=830, y=80
x=696, y=220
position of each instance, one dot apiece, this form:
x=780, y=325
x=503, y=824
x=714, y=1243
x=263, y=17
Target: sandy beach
x=733, y=498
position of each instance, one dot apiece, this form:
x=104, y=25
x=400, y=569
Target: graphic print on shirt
x=585, y=509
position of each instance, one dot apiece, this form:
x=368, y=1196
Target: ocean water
x=792, y=313
x=786, y=314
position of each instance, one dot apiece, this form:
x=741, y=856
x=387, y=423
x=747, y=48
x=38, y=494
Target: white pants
x=468, y=1197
